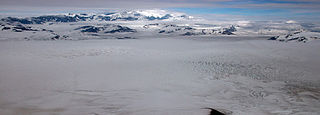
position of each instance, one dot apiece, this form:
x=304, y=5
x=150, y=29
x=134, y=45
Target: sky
x=211, y=9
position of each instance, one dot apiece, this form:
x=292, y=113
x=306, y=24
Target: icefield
x=159, y=76
x=154, y=62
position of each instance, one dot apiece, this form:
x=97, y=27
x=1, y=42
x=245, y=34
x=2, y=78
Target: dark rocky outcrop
x=300, y=36
x=229, y=31
x=108, y=28
x=126, y=38
x=43, y=19
x=167, y=16
x=274, y=38
x=18, y=28
x=6, y=28
x=121, y=29
x=214, y=112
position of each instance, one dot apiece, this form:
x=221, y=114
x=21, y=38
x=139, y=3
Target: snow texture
x=159, y=76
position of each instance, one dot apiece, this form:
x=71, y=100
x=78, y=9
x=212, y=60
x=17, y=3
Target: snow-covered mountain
x=106, y=28
x=146, y=15
x=189, y=30
x=62, y=31
x=108, y=25
x=141, y=23
x=300, y=36
x=133, y=15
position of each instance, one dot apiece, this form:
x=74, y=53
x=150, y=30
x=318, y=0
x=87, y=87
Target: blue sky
x=251, y=9
x=259, y=9
x=232, y=11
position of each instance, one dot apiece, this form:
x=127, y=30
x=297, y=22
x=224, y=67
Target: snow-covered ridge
x=132, y=15
x=141, y=23
x=106, y=28
x=189, y=30
x=108, y=25
x=300, y=36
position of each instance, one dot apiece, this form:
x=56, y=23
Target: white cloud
x=291, y=22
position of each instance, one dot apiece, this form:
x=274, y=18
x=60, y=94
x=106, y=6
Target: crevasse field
x=159, y=76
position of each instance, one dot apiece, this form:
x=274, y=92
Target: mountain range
x=124, y=24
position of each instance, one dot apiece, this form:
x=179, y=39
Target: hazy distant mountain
x=145, y=15
x=301, y=36
x=188, y=30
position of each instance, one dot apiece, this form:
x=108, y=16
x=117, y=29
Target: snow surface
x=163, y=76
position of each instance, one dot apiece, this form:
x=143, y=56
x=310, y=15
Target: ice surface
x=162, y=76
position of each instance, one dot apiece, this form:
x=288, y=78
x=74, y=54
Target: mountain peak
x=150, y=14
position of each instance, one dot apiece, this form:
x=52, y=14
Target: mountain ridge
x=134, y=15
x=129, y=23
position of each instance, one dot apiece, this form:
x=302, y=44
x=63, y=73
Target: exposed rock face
x=228, y=31
x=42, y=19
x=18, y=28
x=108, y=28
